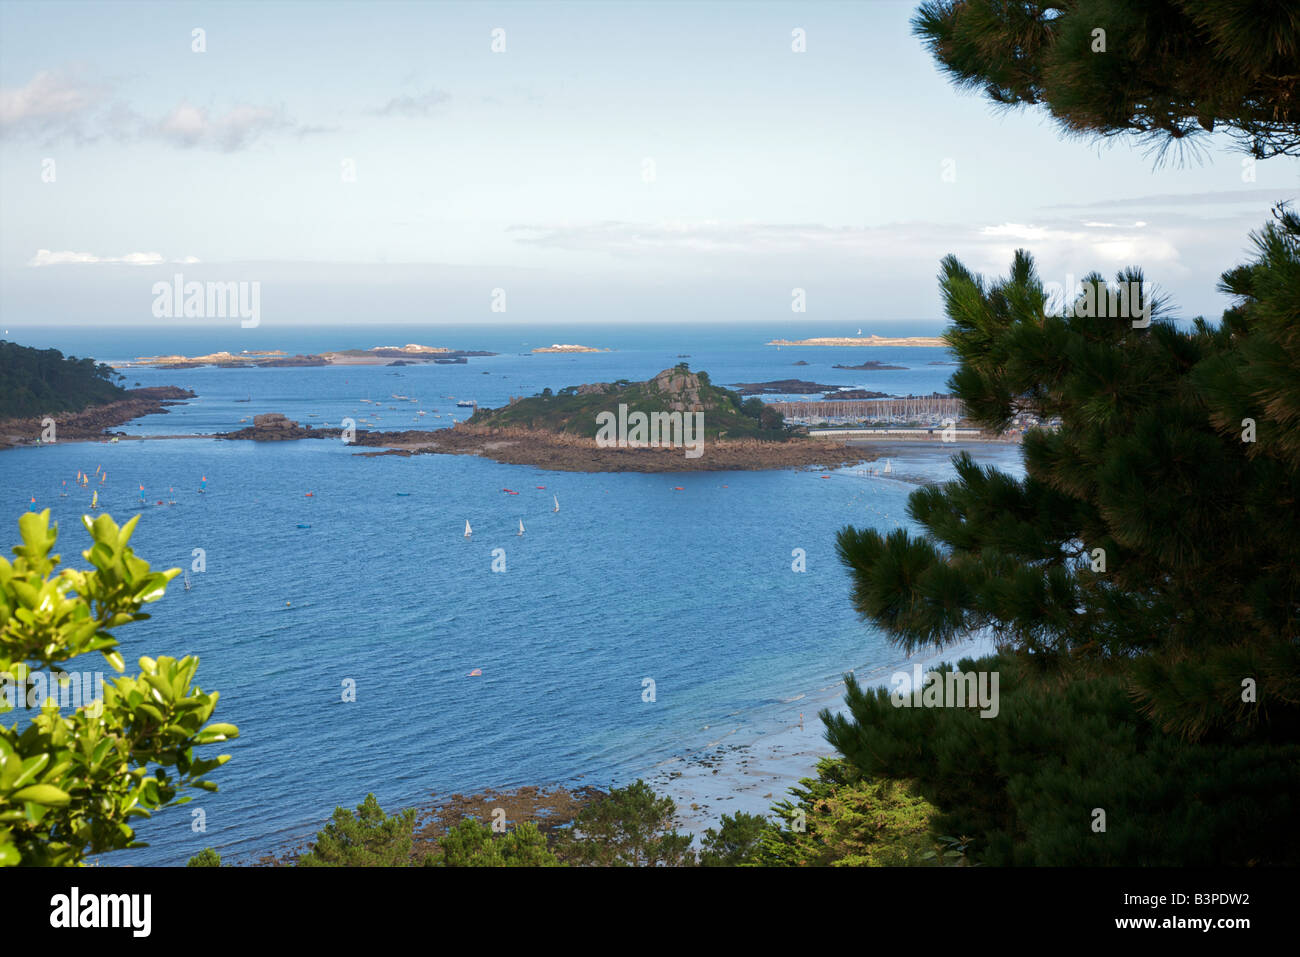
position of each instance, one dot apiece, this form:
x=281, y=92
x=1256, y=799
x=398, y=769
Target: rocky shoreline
x=562, y=452
x=90, y=424
x=567, y=453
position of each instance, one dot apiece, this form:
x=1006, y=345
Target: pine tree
x=1163, y=70
x=629, y=827
x=1142, y=581
x=365, y=838
x=472, y=843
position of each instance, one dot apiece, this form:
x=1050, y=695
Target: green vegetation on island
x=43, y=381
x=576, y=410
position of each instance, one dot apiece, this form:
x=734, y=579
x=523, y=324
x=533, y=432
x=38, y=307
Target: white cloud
x=46, y=257
x=49, y=105
x=53, y=105
x=189, y=126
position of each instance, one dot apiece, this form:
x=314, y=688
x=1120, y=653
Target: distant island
x=870, y=365
x=800, y=387
x=557, y=347
x=867, y=341
x=410, y=354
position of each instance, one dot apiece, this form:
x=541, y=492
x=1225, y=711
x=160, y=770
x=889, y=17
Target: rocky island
x=410, y=354
x=800, y=387
x=563, y=431
x=870, y=365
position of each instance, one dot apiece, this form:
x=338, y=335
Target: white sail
x=468, y=531
x=889, y=466
x=521, y=526
x=557, y=502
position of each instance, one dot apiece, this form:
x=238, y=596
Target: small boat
x=539, y=486
x=403, y=494
x=468, y=531
x=309, y=495
x=203, y=485
x=521, y=528
x=889, y=467
x=557, y=502
x=476, y=673
x=32, y=506
x=64, y=493
x=94, y=499
x=509, y=491
x=301, y=525
x=187, y=581
x=678, y=488
x=465, y=404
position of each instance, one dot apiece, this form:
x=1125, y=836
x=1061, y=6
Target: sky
x=606, y=162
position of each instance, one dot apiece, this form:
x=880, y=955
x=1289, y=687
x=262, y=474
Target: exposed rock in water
x=871, y=365
x=276, y=427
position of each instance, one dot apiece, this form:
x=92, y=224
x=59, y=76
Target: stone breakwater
x=567, y=453
x=90, y=424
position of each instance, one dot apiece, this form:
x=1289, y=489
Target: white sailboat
x=521, y=526
x=468, y=531
x=557, y=502
x=889, y=466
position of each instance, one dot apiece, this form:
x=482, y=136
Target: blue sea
x=631, y=579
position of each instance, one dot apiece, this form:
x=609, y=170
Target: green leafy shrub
x=70, y=785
